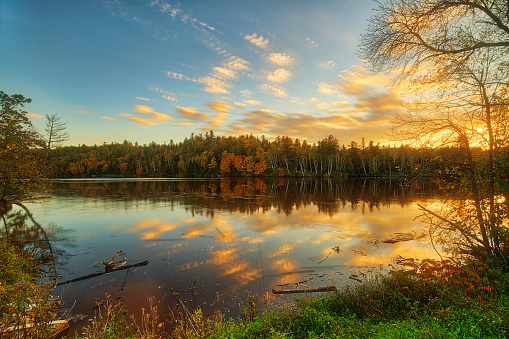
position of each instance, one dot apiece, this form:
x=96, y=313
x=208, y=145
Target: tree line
x=207, y=155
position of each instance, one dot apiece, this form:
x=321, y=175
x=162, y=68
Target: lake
x=225, y=237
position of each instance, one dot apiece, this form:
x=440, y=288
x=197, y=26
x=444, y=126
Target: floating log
x=305, y=290
x=101, y=273
x=354, y=277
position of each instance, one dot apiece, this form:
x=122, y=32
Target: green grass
x=430, y=300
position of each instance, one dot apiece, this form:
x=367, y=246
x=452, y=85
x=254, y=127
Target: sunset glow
x=160, y=70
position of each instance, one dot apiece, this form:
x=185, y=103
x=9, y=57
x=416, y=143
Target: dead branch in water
x=101, y=273
x=305, y=290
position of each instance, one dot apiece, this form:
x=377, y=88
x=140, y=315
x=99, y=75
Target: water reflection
x=231, y=236
x=46, y=243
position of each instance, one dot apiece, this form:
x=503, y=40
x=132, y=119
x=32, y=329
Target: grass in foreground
x=24, y=308
x=432, y=299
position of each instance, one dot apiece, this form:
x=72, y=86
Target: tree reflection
x=254, y=195
x=22, y=229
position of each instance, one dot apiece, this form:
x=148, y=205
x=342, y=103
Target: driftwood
x=101, y=273
x=306, y=290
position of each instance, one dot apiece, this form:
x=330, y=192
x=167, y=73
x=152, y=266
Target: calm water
x=228, y=236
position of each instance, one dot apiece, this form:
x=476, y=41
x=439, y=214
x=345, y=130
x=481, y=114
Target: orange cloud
x=222, y=108
x=170, y=98
x=109, y=118
x=340, y=103
x=246, y=93
x=143, y=121
x=275, y=91
x=153, y=114
x=191, y=113
x=326, y=88
x=252, y=102
x=143, y=99
x=143, y=109
x=34, y=115
x=214, y=85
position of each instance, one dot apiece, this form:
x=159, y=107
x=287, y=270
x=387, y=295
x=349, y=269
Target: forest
x=211, y=156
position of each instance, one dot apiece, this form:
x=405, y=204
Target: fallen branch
x=101, y=273
x=305, y=290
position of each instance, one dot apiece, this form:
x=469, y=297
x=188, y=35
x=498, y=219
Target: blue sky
x=158, y=70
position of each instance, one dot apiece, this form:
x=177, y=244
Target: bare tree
x=411, y=33
x=55, y=130
x=450, y=58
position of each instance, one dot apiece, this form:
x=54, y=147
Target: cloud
x=237, y=64
x=239, y=104
x=125, y=115
x=312, y=42
x=153, y=114
x=378, y=107
x=276, y=91
x=179, y=76
x=167, y=95
x=328, y=64
x=252, y=102
x=143, y=99
x=222, y=108
x=357, y=81
x=246, y=93
x=368, y=115
x=108, y=118
x=161, y=116
x=296, y=100
x=340, y=103
x=326, y=88
x=279, y=75
x=219, y=80
x=257, y=41
x=214, y=85
x=311, y=126
x=224, y=73
x=170, y=98
x=143, y=121
x=143, y=109
x=281, y=59
x=34, y=115
x=191, y=113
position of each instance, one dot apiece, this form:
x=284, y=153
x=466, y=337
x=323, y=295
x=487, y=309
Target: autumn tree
x=20, y=169
x=450, y=57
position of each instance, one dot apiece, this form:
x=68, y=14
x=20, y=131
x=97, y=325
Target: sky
x=158, y=70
